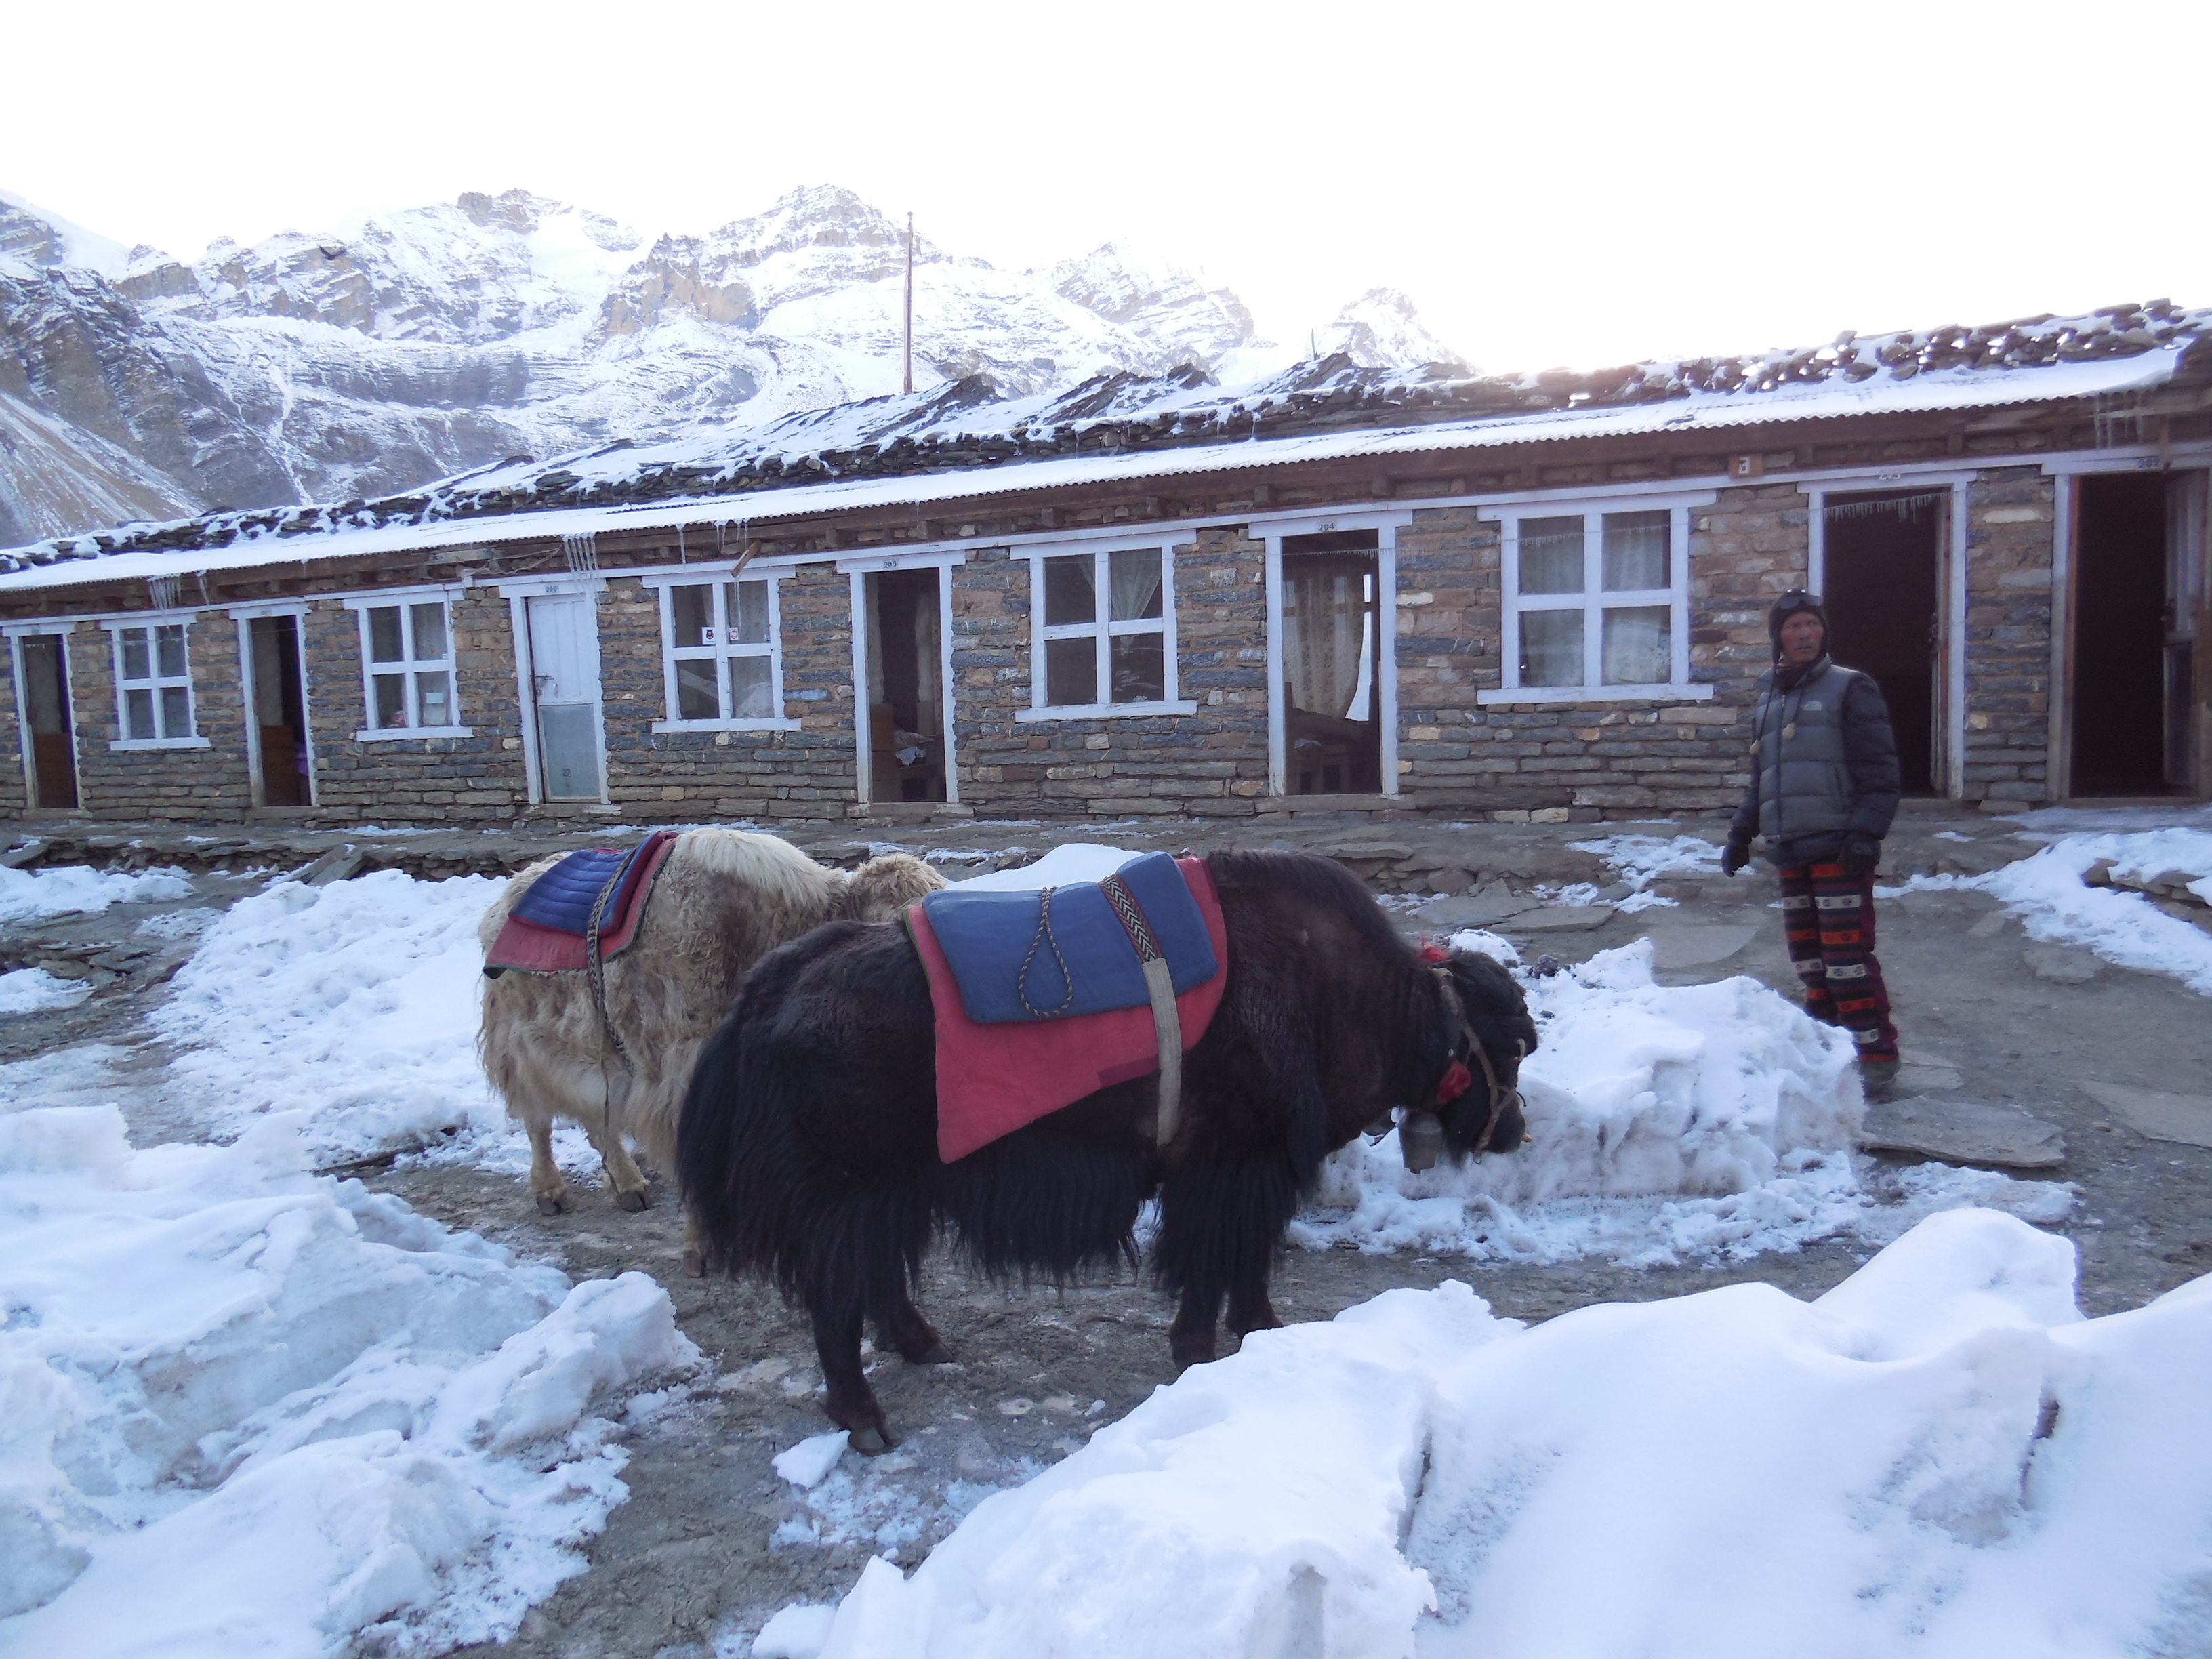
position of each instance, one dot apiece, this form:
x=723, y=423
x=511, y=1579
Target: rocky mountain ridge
x=413, y=346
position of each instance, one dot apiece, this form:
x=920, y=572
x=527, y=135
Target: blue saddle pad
x=987, y=938
x=562, y=897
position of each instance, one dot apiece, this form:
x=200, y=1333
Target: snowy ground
x=2046, y=891
x=212, y=1360
x=1937, y=1458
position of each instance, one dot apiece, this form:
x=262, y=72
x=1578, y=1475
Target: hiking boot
x=1878, y=1076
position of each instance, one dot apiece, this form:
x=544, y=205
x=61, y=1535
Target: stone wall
x=207, y=782
x=417, y=780
x=2011, y=544
x=687, y=776
x=1211, y=763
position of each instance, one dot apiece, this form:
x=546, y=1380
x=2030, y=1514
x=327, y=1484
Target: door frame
x=246, y=616
x=14, y=633
x=2066, y=515
x=1950, y=766
x=1385, y=525
x=517, y=594
x=856, y=573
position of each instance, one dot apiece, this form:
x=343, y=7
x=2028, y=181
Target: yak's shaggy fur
x=808, y=1147
x=724, y=898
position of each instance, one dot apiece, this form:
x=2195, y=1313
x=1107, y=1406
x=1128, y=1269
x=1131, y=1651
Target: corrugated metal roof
x=1823, y=401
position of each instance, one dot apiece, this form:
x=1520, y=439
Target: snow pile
x=2047, y=893
x=27, y=990
x=1667, y=1123
x=357, y=1003
x=1077, y=861
x=71, y=889
x=1640, y=860
x=291, y=1415
x=1939, y=1458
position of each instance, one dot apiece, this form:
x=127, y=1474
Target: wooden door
x=47, y=709
x=564, y=664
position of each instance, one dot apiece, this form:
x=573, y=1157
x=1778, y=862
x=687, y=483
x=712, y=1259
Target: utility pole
x=909, y=302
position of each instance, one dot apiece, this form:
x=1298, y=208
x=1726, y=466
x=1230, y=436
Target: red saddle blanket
x=992, y=1079
x=534, y=948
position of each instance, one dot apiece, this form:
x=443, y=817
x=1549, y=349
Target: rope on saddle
x=595, y=976
x=1167, y=1016
x=1045, y=937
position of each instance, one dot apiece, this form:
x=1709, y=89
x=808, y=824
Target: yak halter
x=1457, y=1079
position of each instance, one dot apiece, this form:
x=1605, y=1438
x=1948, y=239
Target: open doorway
x=43, y=663
x=280, y=717
x=1332, y=725
x=2121, y=669
x=906, y=695
x=1883, y=555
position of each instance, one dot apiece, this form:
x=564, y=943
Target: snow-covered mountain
x=409, y=347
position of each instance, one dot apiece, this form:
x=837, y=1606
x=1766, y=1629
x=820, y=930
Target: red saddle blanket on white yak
x=995, y=1077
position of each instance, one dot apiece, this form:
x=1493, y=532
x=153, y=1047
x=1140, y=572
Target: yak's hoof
x=550, y=1206
x=632, y=1201
x=870, y=1441
x=936, y=1354
x=695, y=1265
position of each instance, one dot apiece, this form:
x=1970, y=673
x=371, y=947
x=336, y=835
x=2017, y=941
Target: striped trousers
x=1829, y=920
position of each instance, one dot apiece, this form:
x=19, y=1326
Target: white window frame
x=717, y=576
x=404, y=598
x=156, y=681
x=1102, y=629
x=1595, y=600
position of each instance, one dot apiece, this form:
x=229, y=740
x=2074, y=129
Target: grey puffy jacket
x=1823, y=764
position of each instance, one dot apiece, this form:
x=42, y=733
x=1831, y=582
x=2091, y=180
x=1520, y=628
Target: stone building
x=1432, y=592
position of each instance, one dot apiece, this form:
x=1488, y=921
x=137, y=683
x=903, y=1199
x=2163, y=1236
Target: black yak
x=807, y=1146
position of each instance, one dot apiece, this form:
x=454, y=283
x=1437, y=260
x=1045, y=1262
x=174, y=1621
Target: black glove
x=1862, y=852
x=1734, y=856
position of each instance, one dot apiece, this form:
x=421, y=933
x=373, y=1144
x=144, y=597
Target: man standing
x=1823, y=788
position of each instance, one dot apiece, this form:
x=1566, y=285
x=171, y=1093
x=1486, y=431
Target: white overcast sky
x=1552, y=183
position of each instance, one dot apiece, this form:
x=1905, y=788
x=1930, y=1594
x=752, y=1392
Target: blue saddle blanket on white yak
x=1060, y=951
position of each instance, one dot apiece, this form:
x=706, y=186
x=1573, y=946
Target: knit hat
x=1790, y=605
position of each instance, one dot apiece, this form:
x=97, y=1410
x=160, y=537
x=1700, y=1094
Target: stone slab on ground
x=1693, y=946
x=1558, y=919
x=2062, y=964
x=1486, y=908
x=1964, y=1132
x=2186, y=1119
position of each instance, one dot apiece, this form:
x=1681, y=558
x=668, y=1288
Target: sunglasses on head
x=1796, y=599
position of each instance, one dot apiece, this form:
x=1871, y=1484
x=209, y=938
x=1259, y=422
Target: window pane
x=1135, y=579
x=136, y=663
x=1636, y=645
x=384, y=634
x=169, y=652
x=139, y=706
x=429, y=636
x=1636, y=552
x=750, y=691
x=1070, y=590
x=694, y=690
x=433, y=692
x=691, y=614
x=1552, y=648
x=748, y=604
x=176, y=712
x=1071, y=670
x=391, y=698
x=1139, y=666
x=1552, y=555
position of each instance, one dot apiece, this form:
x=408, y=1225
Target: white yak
x=724, y=899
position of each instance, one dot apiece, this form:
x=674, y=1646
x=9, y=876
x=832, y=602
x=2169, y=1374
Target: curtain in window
x=1134, y=578
x=1635, y=645
x=1324, y=627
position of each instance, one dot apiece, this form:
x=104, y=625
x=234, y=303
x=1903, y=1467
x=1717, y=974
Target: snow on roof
x=964, y=440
